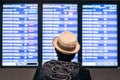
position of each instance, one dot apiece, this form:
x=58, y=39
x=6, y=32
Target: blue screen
x=20, y=35
x=99, y=35
x=55, y=19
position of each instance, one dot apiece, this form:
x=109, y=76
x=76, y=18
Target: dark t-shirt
x=61, y=70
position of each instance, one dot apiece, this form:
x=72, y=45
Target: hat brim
x=64, y=51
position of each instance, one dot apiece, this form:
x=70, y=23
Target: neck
x=66, y=60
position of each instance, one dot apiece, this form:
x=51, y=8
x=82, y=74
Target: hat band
x=65, y=48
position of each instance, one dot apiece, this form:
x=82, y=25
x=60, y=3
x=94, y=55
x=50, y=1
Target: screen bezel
x=20, y=2
x=80, y=33
x=118, y=34
x=58, y=2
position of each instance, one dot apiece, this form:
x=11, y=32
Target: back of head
x=64, y=57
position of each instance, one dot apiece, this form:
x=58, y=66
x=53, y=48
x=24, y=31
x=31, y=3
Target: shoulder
x=84, y=70
x=58, y=62
x=84, y=74
x=50, y=63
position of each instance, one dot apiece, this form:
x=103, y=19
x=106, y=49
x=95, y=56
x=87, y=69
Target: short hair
x=64, y=57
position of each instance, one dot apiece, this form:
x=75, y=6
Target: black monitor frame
x=19, y=2
x=118, y=28
x=56, y=2
x=0, y=34
x=118, y=34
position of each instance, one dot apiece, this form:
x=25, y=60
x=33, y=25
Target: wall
x=27, y=74
x=105, y=74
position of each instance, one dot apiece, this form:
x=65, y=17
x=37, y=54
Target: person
x=66, y=46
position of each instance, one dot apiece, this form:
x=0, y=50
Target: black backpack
x=59, y=70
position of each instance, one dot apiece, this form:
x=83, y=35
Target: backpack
x=59, y=70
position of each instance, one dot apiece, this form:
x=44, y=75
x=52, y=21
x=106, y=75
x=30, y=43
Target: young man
x=66, y=46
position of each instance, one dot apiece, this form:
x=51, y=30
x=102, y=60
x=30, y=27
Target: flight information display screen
x=20, y=35
x=55, y=19
x=99, y=35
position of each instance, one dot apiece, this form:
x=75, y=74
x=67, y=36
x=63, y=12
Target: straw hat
x=66, y=43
